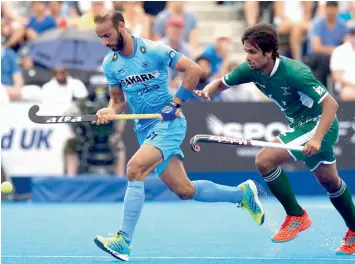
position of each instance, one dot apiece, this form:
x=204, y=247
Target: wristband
x=183, y=94
x=176, y=104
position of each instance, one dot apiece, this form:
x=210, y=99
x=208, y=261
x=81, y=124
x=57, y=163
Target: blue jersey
x=143, y=77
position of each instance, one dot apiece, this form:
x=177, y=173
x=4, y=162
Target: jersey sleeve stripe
x=324, y=96
x=224, y=81
x=114, y=85
x=174, y=60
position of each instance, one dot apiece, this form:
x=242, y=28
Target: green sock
x=278, y=183
x=343, y=202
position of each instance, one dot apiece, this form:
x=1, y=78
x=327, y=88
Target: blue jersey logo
x=140, y=78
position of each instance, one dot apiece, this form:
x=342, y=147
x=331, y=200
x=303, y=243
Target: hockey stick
x=237, y=142
x=32, y=114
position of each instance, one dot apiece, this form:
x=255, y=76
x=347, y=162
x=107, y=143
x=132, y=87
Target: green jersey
x=291, y=85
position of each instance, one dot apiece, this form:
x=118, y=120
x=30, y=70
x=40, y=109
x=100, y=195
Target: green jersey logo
x=320, y=90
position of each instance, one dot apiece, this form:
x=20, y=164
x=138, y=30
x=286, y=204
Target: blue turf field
x=175, y=232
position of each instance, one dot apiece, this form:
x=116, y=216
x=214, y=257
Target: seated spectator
x=342, y=65
x=325, y=35
x=206, y=78
x=218, y=53
x=257, y=12
x=19, y=9
x=152, y=9
x=12, y=29
x=351, y=21
x=55, y=8
x=174, y=39
x=346, y=9
x=69, y=12
x=86, y=21
x=39, y=21
x=292, y=19
x=63, y=88
x=174, y=36
x=117, y=5
x=136, y=21
x=190, y=21
x=11, y=77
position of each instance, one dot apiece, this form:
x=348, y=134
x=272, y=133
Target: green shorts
x=302, y=134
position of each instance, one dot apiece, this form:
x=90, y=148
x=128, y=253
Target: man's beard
x=120, y=43
x=62, y=82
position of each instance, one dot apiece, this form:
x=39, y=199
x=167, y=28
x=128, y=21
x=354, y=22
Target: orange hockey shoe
x=348, y=246
x=291, y=227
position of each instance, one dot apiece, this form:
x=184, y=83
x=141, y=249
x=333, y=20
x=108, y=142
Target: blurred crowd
x=319, y=33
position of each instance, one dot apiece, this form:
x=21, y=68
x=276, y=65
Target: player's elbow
x=329, y=101
x=196, y=70
x=336, y=105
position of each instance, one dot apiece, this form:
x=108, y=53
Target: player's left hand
x=169, y=112
x=312, y=147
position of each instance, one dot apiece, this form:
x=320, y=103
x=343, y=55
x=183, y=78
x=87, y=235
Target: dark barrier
x=260, y=121
x=112, y=189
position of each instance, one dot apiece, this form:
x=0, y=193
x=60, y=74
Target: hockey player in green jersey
x=311, y=114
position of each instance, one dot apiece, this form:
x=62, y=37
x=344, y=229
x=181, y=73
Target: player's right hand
x=104, y=116
x=202, y=95
x=169, y=112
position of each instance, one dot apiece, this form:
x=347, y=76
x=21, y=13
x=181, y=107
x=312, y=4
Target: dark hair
x=332, y=4
x=115, y=16
x=60, y=70
x=263, y=36
x=200, y=58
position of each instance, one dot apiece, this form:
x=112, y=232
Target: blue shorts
x=166, y=136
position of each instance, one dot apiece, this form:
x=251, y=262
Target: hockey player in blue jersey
x=139, y=68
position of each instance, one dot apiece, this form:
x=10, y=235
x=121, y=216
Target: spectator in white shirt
x=342, y=65
x=63, y=88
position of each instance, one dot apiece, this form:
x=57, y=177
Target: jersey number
x=152, y=135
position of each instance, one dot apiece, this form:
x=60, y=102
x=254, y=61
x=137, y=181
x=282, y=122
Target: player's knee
x=185, y=192
x=330, y=184
x=262, y=162
x=133, y=170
